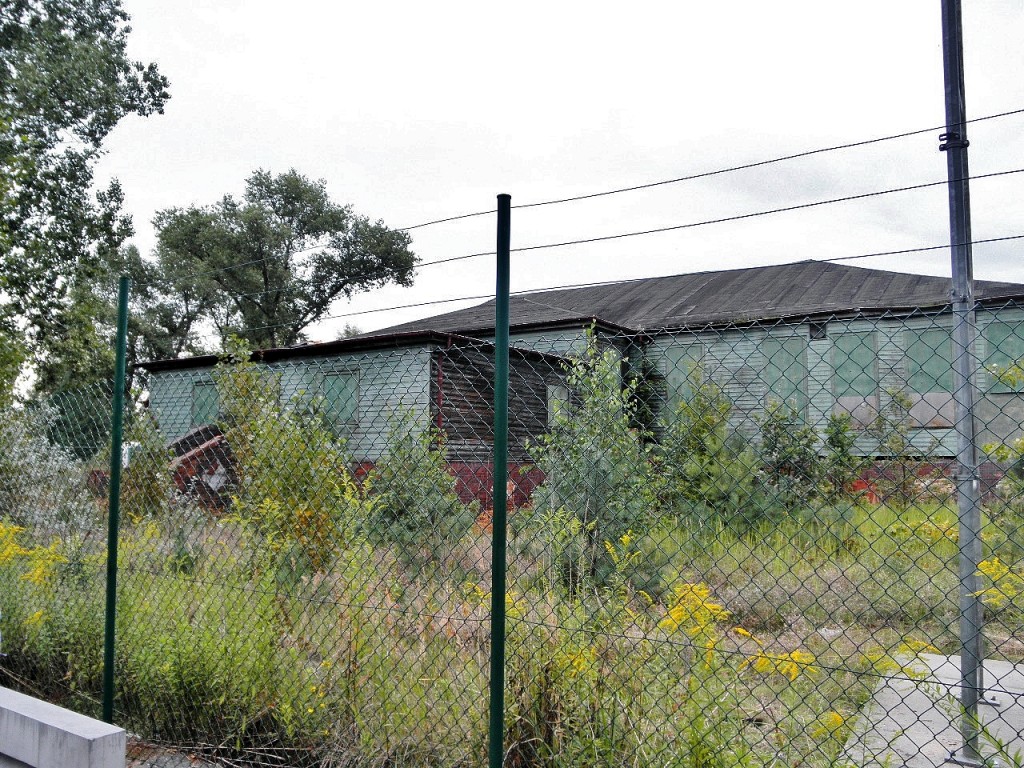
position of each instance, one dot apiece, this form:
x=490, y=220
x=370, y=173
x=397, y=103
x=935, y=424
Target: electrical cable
x=724, y=219
x=718, y=172
x=691, y=177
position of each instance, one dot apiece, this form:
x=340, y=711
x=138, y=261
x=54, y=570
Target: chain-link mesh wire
x=736, y=545
x=54, y=469
x=744, y=550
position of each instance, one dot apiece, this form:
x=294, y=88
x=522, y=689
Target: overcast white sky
x=413, y=111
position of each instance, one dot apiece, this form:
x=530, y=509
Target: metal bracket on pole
x=952, y=140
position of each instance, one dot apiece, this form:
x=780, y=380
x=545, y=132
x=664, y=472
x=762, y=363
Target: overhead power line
x=664, y=182
x=722, y=220
x=658, y=230
x=717, y=172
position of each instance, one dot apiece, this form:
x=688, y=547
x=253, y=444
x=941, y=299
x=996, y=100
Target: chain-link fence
x=733, y=545
x=53, y=485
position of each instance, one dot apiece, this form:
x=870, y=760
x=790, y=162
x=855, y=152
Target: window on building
x=855, y=363
x=855, y=376
x=930, y=360
x=558, y=401
x=341, y=398
x=1004, y=354
x=929, y=355
x=205, y=403
x=785, y=371
x=684, y=369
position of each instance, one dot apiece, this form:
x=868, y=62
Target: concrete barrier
x=36, y=734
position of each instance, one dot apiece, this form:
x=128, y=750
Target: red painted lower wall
x=473, y=481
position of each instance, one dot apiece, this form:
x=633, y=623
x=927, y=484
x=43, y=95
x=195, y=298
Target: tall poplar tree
x=65, y=82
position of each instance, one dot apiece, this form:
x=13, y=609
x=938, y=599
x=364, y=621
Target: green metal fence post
x=498, y=540
x=114, y=504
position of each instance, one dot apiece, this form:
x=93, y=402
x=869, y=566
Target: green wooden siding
x=683, y=368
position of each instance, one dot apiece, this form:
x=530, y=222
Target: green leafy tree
x=65, y=82
x=271, y=264
x=842, y=464
x=789, y=456
x=899, y=457
x=596, y=464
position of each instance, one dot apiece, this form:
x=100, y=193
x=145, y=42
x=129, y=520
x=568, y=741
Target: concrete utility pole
x=954, y=144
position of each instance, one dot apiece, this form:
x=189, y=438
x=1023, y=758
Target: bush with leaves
x=701, y=461
x=790, y=464
x=147, y=486
x=801, y=467
x=841, y=465
x=415, y=503
x=42, y=485
x=293, y=480
x=596, y=464
x=899, y=459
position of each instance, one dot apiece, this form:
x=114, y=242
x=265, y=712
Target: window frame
x=205, y=385
x=916, y=369
x=1014, y=330
x=337, y=425
x=800, y=395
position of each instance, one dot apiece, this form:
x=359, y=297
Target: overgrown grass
x=371, y=656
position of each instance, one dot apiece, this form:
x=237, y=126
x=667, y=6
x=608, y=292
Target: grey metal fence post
x=968, y=497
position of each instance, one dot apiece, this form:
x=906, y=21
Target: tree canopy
x=65, y=82
x=265, y=267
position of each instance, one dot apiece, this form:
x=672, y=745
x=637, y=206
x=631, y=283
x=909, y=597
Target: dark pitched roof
x=805, y=288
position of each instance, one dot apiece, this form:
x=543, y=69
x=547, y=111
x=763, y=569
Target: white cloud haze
x=414, y=111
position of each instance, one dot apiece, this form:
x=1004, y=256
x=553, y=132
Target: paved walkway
x=913, y=723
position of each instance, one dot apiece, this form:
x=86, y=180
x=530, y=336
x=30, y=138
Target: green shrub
x=292, y=477
x=899, y=459
x=841, y=466
x=789, y=456
x=415, y=503
x=147, y=487
x=42, y=485
x=700, y=462
x=596, y=464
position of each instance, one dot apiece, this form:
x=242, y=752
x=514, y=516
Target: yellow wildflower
x=829, y=725
x=9, y=547
x=35, y=619
x=692, y=611
x=578, y=662
x=514, y=606
x=709, y=651
x=913, y=646
x=43, y=562
x=789, y=665
x=1005, y=583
